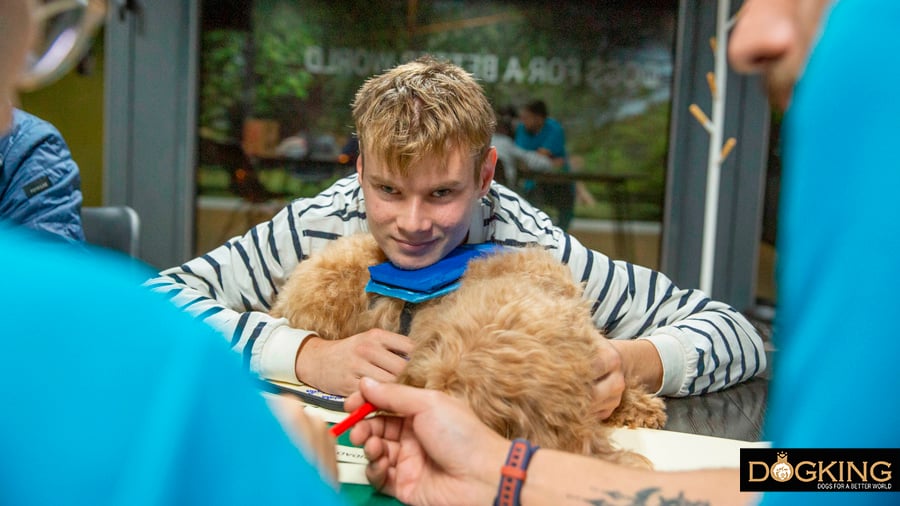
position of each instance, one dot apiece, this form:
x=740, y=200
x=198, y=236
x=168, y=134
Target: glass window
x=277, y=81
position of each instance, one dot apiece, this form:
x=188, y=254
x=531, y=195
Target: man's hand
x=610, y=380
x=641, y=362
x=435, y=452
x=336, y=366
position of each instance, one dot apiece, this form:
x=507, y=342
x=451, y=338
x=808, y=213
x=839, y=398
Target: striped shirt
x=704, y=345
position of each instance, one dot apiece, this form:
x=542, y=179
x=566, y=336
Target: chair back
x=113, y=227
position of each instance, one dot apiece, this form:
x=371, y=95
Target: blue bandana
x=429, y=282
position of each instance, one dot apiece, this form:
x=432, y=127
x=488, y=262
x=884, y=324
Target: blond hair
x=426, y=107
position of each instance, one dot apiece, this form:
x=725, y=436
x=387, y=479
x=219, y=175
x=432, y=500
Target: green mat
x=360, y=495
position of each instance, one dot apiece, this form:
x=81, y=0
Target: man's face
x=419, y=219
x=774, y=38
x=15, y=27
x=532, y=122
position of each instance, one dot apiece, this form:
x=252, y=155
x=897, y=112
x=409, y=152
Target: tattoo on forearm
x=645, y=497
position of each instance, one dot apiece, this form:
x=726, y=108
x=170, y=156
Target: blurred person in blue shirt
x=538, y=132
x=135, y=402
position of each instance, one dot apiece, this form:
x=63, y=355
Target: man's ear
x=359, y=166
x=488, y=165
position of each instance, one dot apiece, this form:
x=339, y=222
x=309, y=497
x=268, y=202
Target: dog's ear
x=326, y=292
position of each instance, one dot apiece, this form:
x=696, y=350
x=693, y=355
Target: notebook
x=306, y=393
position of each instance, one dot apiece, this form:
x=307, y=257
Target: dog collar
x=419, y=285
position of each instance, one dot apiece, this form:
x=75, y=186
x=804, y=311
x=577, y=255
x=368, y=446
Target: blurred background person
x=510, y=155
x=538, y=132
x=40, y=187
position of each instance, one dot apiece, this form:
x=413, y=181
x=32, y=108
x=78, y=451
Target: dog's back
x=516, y=340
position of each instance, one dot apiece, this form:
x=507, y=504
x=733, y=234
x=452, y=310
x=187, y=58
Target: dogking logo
x=781, y=470
x=807, y=469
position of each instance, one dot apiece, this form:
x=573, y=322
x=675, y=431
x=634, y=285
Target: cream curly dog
x=515, y=341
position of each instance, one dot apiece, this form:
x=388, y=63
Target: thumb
x=402, y=400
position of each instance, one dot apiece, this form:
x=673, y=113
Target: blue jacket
x=40, y=187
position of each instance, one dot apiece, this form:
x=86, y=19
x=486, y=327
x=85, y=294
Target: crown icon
x=782, y=470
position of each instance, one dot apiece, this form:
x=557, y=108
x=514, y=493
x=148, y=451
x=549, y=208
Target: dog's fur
x=515, y=341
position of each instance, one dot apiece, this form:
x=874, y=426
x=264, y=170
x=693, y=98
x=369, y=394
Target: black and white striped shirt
x=704, y=345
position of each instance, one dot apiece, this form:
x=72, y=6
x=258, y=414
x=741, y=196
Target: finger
x=606, y=360
x=393, y=427
x=608, y=394
x=399, y=344
x=390, y=362
x=353, y=401
x=610, y=387
x=377, y=474
x=376, y=448
x=400, y=399
x=380, y=374
x=365, y=429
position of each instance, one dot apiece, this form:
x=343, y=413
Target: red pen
x=360, y=413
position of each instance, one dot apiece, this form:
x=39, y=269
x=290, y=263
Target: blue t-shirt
x=111, y=395
x=835, y=378
x=550, y=137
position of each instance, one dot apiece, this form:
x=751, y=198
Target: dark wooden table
x=733, y=413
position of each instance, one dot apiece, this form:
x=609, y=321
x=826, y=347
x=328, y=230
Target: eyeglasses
x=63, y=33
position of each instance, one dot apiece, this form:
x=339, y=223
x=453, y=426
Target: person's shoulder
x=553, y=124
x=27, y=122
x=28, y=129
x=342, y=202
x=517, y=221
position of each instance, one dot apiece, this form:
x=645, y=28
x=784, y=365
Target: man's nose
x=414, y=217
x=763, y=34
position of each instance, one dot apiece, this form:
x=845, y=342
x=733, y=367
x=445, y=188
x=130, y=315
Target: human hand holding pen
x=437, y=452
x=434, y=451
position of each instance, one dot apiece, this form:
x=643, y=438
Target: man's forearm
x=558, y=478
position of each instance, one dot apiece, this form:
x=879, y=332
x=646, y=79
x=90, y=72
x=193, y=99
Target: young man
x=125, y=405
x=422, y=187
x=835, y=371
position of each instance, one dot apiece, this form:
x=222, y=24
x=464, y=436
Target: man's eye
x=441, y=193
x=387, y=189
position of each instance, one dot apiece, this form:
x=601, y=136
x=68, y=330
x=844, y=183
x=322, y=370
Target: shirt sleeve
x=555, y=140
x=233, y=287
x=704, y=345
